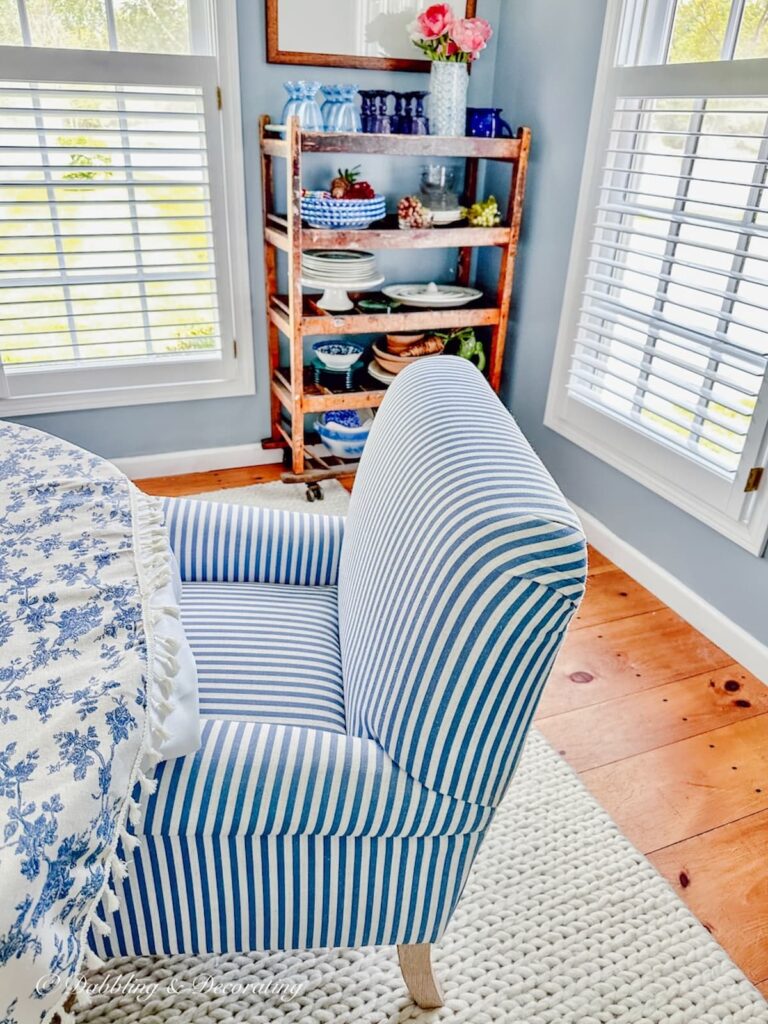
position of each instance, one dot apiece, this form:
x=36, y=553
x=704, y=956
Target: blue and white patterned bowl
x=346, y=442
x=321, y=210
x=338, y=355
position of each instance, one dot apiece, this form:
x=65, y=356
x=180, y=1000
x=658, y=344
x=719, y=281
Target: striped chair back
x=461, y=567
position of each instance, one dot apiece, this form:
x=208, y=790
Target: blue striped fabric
x=237, y=544
x=462, y=565
x=346, y=779
x=261, y=833
x=217, y=894
x=266, y=652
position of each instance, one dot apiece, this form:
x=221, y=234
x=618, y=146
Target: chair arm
x=254, y=779
x=241, y=544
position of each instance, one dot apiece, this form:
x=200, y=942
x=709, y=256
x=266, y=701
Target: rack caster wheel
x=315, y=492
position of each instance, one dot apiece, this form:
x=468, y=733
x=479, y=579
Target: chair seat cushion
x=266, y=653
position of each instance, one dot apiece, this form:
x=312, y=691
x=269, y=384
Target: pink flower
x=471, y=35
x=435, y=21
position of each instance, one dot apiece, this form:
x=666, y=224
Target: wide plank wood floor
x=667, y=732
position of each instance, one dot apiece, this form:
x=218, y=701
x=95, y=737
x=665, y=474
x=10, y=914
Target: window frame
x=721, y=504
x=226, y=374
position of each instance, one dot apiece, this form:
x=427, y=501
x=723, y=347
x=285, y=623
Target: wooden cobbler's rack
x=295, y=316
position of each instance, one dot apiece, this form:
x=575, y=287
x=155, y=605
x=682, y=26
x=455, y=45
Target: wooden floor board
x=219, y=480
x=602, y=662
x=680, y=790
x=721, y=876
x=668, y=733
x=611, y=595
x=600, y=734
x=215, y=480
x=598, y=563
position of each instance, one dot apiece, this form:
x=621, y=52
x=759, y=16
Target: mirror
x=347, y=33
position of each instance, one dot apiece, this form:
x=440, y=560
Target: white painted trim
x=751, y=535
x=732, y=638
x=228, y=55
x=196, y=460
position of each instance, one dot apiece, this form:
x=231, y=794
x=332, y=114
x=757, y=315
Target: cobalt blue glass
x=367, y=97
x=381, y=119
x=418, y=121
x=487, y=123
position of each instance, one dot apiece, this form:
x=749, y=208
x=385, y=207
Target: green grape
x=484, y=214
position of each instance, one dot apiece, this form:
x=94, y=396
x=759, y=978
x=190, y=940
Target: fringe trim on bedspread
x=153, y=570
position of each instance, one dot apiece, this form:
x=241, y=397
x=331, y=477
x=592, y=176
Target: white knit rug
x=562, y=922
x=287, y=496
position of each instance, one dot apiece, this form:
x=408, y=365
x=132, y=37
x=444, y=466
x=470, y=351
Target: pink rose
x=471, y=35
x=435, y=21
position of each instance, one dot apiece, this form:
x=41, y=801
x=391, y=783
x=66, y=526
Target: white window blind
x=115, y=242
x=107, y=245
x=662, y=360
x=673, y=329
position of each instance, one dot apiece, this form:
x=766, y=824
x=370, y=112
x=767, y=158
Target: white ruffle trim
x=150, y=545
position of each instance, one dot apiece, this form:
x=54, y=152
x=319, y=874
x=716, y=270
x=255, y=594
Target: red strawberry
x=360, y=190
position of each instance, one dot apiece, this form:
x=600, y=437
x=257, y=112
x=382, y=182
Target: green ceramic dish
x=379, y=305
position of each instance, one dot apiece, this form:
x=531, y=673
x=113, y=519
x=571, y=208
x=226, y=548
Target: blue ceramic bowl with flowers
x=338, y=355
x=345, y=431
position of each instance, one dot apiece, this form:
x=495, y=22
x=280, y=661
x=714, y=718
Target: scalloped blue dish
x=321, y=210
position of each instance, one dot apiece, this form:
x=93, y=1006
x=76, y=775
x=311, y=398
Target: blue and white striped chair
x=366, y=688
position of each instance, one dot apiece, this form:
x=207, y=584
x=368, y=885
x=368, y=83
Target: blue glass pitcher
x=487, y=123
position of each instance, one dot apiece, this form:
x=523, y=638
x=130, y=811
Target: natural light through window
x=106, y=247
x=673, y=331
x=665, y=325
x=113, y=234
x=718, y=30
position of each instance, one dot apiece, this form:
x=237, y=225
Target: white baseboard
x=196, y=460
x=732, y=638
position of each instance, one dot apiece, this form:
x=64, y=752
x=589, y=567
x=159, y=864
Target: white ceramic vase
x=448, y=98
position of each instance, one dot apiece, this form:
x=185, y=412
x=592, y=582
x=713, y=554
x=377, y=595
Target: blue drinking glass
x=291, y=108
x=367, y=97
x=303, y=104
x=418, y=122
x=381, y=119
x=332, y=95
x=347, y=116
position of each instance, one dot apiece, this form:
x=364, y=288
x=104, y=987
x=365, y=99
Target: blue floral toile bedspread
x=74, y=729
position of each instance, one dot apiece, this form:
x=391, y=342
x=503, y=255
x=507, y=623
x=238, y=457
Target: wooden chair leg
x=419, y=976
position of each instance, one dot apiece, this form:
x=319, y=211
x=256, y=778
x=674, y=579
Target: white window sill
x=108, y=398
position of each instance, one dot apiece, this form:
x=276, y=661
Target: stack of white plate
x=339, y=267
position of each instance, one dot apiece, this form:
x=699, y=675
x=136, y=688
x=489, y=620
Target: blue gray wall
x=180, y=426
x=544, y=78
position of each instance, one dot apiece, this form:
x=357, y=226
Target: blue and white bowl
x=338, y=355
x=321, y=210
x=346, y=442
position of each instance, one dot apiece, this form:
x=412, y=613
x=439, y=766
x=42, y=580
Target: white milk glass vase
x=448, y=98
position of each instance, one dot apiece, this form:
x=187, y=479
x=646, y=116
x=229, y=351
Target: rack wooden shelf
x=296, y=316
